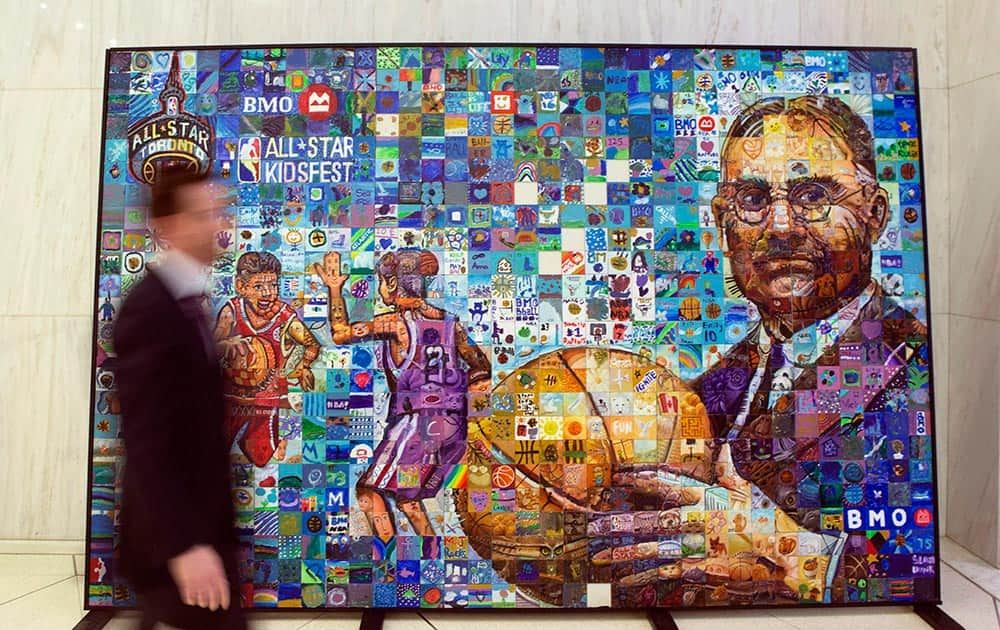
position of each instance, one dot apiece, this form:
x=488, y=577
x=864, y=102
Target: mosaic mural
x=546, y=326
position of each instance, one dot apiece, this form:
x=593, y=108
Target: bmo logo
x=815, y=61
x=686, y=126
x=860, y=519
x=268, y=104
x=318, y=102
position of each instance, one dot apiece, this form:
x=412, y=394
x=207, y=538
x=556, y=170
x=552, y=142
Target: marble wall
x=973, y=320
x=50, y=111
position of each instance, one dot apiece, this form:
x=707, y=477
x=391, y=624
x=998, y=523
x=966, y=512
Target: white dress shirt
x=183, y=275
x=799, y=351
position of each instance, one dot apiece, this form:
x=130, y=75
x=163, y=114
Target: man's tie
x=775, y=358
x=193, y=310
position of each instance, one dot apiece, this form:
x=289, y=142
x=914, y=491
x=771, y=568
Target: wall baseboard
x=43, y=547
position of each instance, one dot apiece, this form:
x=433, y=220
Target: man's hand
x=304, y=376
x=232, y=349
x=200, y=578
x=655, y=485
x=329, y=271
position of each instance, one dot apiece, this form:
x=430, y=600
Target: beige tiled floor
x=44, y=592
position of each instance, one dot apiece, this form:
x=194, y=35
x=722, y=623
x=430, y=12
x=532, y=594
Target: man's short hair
x=837, y=118
x=252, y=263
x=169, y=180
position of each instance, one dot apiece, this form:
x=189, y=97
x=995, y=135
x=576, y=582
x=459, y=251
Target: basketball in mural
x=550, y=501
x=247, y=361
x=534, y=478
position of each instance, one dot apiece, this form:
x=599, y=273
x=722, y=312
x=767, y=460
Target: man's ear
x=879, y=213
x=720, y=206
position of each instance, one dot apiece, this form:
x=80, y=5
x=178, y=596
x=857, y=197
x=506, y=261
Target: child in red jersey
x=258, y=333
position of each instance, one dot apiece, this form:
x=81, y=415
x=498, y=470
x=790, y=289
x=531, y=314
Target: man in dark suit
x=178, y=545
x=798, y=211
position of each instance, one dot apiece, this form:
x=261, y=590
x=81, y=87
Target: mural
x=546, y=326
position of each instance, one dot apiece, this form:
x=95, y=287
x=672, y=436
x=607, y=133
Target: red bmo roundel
x=318, y=102
x=922, y=517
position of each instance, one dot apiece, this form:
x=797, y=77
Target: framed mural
x=546, y=326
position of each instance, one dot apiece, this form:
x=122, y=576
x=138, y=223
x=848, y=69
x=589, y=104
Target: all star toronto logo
x=170, y=136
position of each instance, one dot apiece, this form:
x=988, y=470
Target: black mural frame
x=276, y=610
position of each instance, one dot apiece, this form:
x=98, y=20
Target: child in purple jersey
x=431, y=366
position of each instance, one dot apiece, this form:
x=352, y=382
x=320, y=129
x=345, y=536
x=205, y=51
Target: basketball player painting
x=257, y=333
x=432, y=368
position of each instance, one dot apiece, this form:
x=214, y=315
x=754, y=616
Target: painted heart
x=707, y=146
x=480, y=194
x=361, y=379
x=685, y=191
x=385, y=243
x=162, y=58
x=752, y=147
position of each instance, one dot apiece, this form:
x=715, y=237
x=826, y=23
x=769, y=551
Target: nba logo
x=249, y=172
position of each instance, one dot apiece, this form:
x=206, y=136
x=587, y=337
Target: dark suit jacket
x=772, y=440
x=177, y=490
